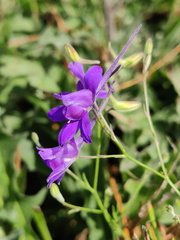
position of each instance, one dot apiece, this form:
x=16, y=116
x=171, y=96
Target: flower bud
x=147, y=63
x=148, y=53
x=124, y=106
x=54, y=190
x=74, y=210
x=129, y=61
x=75, y=56
x=170, y=209
x=148, y=46
x=35, y=139
x=132, y=60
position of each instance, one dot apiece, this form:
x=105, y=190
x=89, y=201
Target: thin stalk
x=94, y=192
x=85, y=185
x=105, y=125
x=106, y=214
x=166, y=177
x=96, y=174
x=103, y=210
x=103, y=156
x=96, y=211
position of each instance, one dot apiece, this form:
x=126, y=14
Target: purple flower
x=78, y=104
x=89, y=80
x=59, y=159
x=75, y=111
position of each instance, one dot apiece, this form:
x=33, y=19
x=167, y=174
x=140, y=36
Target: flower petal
x=58, y=173
x=85, y=127
x=102, y=94
x=59, y=95
x=56, y=114
x=92, y=78
x=60, y=158
x=74, y=112
x=50, y=154
x=79, y=86
x=77, y=70
x=70, y=150
x=67, y=132
x=83, y=98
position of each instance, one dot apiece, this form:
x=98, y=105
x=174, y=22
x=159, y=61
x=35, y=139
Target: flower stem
x=104, y=156
x=97, y=158
x=120, y=146
x=96, y=211
x=100, y=204
x=136, y=161
x=166, y=177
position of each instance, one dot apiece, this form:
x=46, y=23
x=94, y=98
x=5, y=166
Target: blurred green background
x=33, y=65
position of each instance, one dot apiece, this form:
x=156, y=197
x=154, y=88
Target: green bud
x=75, y=56
x=170, y=209
x=74, y=210
x=129, y=61
x=54, y=190
x=148, y=46
x=147, y=63
x=132, y=60
x=124, y=106
x=35, y=139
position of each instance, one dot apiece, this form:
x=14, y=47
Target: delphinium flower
x=75, y=111
x=78, y=104
x=60, y=158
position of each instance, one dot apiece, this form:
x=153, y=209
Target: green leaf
x=12, y=122
x=10, y=84
x=28, y=202
x=27, y=153
x=33, y=71
x=19, y=23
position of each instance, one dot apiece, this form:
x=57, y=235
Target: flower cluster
x=75, y=111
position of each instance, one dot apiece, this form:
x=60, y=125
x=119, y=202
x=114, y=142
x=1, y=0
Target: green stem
x=104, y=156
x=85, y=185
x=136, y=161
x=96, y=211
x=166, y=177
x=103, y=210
x=97, y=158
x=41, y=224
x=114, y=139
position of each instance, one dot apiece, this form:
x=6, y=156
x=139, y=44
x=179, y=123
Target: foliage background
x=33, y=65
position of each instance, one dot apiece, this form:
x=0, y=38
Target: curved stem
x=103, y=209
x=155, y=136
x=114, y=139
x=136, y=161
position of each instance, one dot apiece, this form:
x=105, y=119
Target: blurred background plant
x=33, y=65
